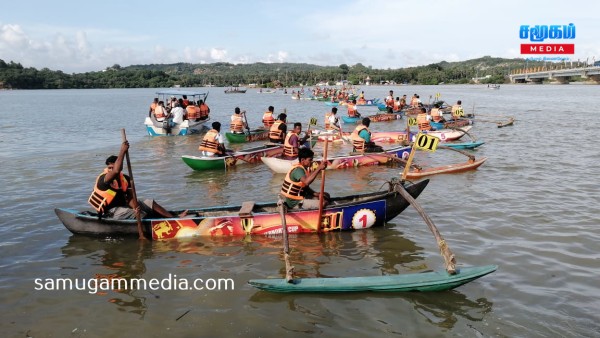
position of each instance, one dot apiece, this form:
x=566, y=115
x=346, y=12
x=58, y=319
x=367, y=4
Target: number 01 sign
x=427, y=142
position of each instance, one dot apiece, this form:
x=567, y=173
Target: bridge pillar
x=536, y=80
x=562, y=79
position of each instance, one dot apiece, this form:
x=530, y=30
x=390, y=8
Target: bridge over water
x=537, y=74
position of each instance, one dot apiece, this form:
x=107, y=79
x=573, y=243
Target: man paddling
x=295, y=190
x=112, y=196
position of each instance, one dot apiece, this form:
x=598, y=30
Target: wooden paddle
x=246, y=119
x=289, y=269
x=449, y=258
x=320, y=221
x=133, y=193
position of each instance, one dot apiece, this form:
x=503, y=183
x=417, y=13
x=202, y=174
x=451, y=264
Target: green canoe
x=253, y=135
x=208, y=163
x=427, y=281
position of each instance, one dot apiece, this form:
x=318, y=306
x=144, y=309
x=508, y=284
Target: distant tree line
x=14, y=75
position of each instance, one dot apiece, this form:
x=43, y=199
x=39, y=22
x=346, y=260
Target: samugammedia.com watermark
x=170, y=283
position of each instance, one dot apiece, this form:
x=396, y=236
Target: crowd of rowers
x=213, y=142
x=178, y=110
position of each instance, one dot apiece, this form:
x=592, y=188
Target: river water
x=532, y=209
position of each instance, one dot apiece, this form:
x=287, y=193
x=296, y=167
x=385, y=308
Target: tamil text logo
x=541, y=33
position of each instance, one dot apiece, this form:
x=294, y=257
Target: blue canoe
x=427, y=281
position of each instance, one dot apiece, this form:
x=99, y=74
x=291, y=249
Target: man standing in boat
x=293, y=143
x=332, y=122
x=278, y=130
x=295, y=191
x=112, y=196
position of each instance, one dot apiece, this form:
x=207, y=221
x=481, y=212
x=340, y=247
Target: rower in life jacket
x=457, y=110
x=101, y=200
x=352, y=110
x=296, y=189
x=213, y=144
x=153, y=106
x=361, y=138
x=436, y=114
x=237, y=122
x=204, y=110
x=389, y=102
x=423, y=120
x=278, y=130
x=268, y=119
x=331, y=120
x=293, y=142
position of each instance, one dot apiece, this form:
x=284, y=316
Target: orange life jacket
x=193, y=112
x=209, y=142
x=99, y=199
x=274, y=132
x=414, y=102
x=160, y=112
x=357, y=141
x=237, y=124
x=389, y=102
x=436, y=114
x=396, y=105
x=268, y=119
x=204, y=110
x=153, y=105
x=422, y=122
x=352, y=110
x=288, y=149
x=293, y=190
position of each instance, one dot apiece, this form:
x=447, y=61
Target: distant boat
x=493, y=86
x=235, y=90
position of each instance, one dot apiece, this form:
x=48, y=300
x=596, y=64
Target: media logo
x=540, y=33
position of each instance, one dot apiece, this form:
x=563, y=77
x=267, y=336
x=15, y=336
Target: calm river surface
x=532, y=209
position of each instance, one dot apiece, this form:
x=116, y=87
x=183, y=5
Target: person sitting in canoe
x=278, y=130
x=112, y=196
x=423, y=120
x=352, y=111
x=293, y=143
x=295, y=190
x=213, y=144
x=437, y=114
x=332, y=122
x=361, y=138
x=389, y=102
x=268, y=119
x=153, y=106
x=238, y=122
x=457, y=110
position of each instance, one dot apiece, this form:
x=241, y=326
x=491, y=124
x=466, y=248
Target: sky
x=81, y=36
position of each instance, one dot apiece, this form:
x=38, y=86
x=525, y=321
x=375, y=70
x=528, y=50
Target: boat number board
x=412, y=121
x=427, y=142
x=363, y=218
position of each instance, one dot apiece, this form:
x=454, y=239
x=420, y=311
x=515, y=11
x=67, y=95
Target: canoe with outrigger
x=353, y=212
x=162, y=128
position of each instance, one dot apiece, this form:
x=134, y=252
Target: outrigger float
x=427, y=281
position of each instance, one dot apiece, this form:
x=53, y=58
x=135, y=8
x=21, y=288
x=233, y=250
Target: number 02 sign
x=427, y=142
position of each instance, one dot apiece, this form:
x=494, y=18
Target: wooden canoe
x=426, y=281
x=251, y=155
x=446, y=169
x=446, y=135
x=374, y=118
x=254, y=135
x=343, y=213
x=282, y=166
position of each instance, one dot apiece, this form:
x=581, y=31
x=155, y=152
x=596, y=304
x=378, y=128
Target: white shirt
x=334, y=121
x=177, y=114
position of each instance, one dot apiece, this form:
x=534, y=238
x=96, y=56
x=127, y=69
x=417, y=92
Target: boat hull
x=251, y=155
x=254, y=135
x=155, y=128
x=344, y=213
x=374, y=118
x=427, y=281
x=282, y=166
